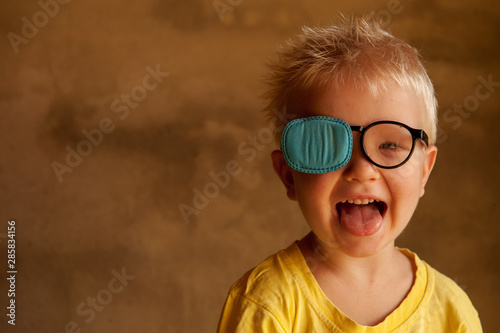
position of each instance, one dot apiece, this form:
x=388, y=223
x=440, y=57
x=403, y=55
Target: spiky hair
x=357, y=50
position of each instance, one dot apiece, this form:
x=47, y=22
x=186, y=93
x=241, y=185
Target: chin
x=366, y=246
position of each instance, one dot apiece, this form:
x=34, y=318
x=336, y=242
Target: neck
x=331, y=263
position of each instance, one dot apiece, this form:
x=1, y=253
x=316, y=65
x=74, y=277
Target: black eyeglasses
x=389, y=144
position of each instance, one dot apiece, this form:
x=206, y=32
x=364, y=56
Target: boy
x=356, y=158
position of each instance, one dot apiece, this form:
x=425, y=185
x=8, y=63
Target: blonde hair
x=357, y=50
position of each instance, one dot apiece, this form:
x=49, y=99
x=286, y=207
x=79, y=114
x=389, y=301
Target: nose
x=359, y=168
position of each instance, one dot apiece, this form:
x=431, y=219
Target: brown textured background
x=119, y=208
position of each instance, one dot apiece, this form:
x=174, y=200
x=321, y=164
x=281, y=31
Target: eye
x=390, y=146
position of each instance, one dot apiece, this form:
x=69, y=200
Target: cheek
x=405, y=184
x=313, y=192
x=411, y=172
x=309, y=185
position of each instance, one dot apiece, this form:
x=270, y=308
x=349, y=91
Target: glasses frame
x=416, y=134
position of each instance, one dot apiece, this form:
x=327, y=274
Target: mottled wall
x=88, y=65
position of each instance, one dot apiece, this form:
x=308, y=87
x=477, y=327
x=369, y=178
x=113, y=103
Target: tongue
x=360, y=220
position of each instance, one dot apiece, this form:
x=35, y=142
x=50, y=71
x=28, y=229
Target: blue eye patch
x=317, y=144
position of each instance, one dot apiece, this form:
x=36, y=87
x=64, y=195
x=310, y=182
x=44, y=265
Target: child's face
x=360, y=230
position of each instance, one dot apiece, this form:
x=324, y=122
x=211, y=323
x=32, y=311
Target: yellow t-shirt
x=282, y=295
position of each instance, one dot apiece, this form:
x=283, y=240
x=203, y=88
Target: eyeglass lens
x=387, y=145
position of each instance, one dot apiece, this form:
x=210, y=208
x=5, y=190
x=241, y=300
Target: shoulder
x=442, y=303
x=447, y=290
x=452, y=300
x=437, y=284
x=262, y=300
x=267, y=282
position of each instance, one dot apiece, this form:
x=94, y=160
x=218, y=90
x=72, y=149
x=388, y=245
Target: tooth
x=370, y=201
x=350, y=201
x=357, y=201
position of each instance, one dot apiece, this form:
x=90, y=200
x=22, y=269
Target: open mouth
x=361, y=217
x=380, y=205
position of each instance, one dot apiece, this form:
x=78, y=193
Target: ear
x=283, y=171
x=430, y=159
